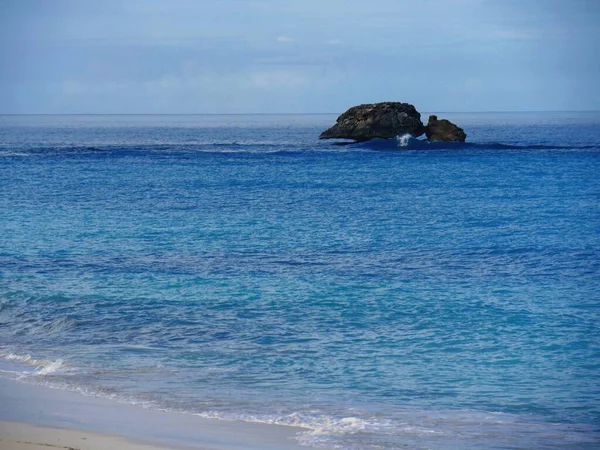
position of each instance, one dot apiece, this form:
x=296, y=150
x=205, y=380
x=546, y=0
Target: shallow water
x=384, y=295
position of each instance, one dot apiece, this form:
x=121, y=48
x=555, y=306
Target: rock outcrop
x=443, y=130
x=376, y=120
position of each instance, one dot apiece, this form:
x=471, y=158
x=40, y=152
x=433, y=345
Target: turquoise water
x=385, y=295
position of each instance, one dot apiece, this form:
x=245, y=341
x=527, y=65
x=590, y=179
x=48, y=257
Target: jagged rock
x=443, y=130
x=376, y=120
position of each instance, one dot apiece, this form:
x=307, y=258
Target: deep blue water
x=387, y=296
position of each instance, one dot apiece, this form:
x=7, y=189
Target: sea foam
x=41, y=366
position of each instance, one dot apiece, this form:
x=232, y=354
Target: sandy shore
x=21, y=436
x=38, y=417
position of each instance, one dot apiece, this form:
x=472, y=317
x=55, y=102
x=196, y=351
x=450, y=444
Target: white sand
x=20, y=436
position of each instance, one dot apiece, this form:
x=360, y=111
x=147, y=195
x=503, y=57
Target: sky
x=297, y=56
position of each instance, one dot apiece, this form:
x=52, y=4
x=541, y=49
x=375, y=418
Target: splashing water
x=42, y=367
x=404, y=140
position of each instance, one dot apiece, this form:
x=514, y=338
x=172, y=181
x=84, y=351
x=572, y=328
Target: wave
x=325, y=430
x=404, y=142
x=319, y=427
x=339, y=427
x=59, y=324
x=431, y=429
x=41, y=366
x=407, y=142
x=167, y=148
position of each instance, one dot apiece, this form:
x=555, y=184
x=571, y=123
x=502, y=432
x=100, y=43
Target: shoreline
x=24, y=436
x=36, y=417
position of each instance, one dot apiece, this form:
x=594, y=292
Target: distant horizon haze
x=269, y=57
x=423, y=113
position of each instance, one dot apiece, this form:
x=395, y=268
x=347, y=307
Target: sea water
x=391, y=294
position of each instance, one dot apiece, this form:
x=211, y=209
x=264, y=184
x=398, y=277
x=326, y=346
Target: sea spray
x=404, y=140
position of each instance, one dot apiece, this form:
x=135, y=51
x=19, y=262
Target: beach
x=21, y=436
x=36, y=417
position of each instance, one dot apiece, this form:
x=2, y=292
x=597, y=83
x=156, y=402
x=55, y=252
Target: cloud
x=285, y=39
x=267, y=55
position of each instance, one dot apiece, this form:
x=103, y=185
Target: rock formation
x=388, y=120
x=376, y=120
x=443, y=130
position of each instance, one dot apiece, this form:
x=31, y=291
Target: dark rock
x=376, y=120
x=443, y=130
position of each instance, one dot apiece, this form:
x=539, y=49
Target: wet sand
x=39, y=417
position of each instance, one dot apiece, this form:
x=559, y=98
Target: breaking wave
x=350, y=429
x=404, y=142
x=408, y=142
x=40, y=366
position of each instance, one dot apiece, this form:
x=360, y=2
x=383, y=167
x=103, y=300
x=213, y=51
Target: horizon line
x=290, y=113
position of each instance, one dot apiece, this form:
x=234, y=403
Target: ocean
x=383, y=295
